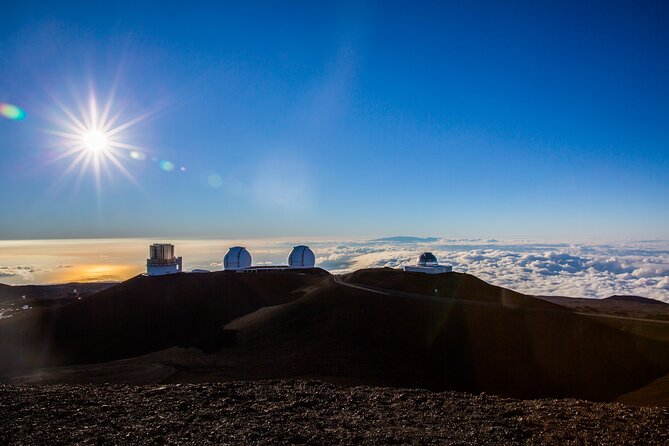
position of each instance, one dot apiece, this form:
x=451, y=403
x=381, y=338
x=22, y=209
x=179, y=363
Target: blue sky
x=515, y=120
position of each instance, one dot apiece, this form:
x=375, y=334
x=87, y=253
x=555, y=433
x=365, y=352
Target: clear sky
x=500, y=119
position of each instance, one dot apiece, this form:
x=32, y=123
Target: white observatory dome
x=237, y=258
x=301, y=257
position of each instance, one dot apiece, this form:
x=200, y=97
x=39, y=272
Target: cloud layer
x=578, y=270
x=532, y=267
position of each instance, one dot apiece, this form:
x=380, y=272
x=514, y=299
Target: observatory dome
x=237, y=258
x=427, y=259
x=301, y=257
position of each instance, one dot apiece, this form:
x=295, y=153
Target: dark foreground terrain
x=309, y=412
x=374, y=327
x=304, y=357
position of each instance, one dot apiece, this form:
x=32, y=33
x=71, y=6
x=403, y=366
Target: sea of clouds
x=539, y=268
x=594, y=270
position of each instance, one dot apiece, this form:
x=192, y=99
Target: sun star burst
x=94, y=141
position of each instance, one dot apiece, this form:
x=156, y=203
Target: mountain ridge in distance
x=406, y=239
x=635, y=299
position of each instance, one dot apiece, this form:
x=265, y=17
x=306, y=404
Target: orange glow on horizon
x=99, y=272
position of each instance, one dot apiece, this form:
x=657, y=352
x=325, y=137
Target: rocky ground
x=309, y=412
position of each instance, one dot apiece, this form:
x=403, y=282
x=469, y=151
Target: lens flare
x=167, y=166
x=12, y=112
x=215, y=181
x=139, y=156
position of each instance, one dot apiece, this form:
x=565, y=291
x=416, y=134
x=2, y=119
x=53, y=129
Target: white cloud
x=579, y=270
x=532, y=267
x=663, y=284
x=23, y=272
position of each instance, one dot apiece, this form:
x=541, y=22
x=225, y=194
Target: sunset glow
x=98, y=272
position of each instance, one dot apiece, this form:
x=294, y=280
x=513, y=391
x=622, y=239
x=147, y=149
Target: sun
x=95, y=141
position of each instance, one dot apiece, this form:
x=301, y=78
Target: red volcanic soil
x=374, y=327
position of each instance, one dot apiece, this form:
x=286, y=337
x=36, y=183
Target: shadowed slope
x=519, y=348
x=144, y=314
x=472, y=336
x=447, y=285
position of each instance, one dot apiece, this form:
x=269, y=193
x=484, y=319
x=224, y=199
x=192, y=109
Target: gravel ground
x=309, y=412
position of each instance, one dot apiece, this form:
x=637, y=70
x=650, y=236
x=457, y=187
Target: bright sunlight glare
x=95, y=141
